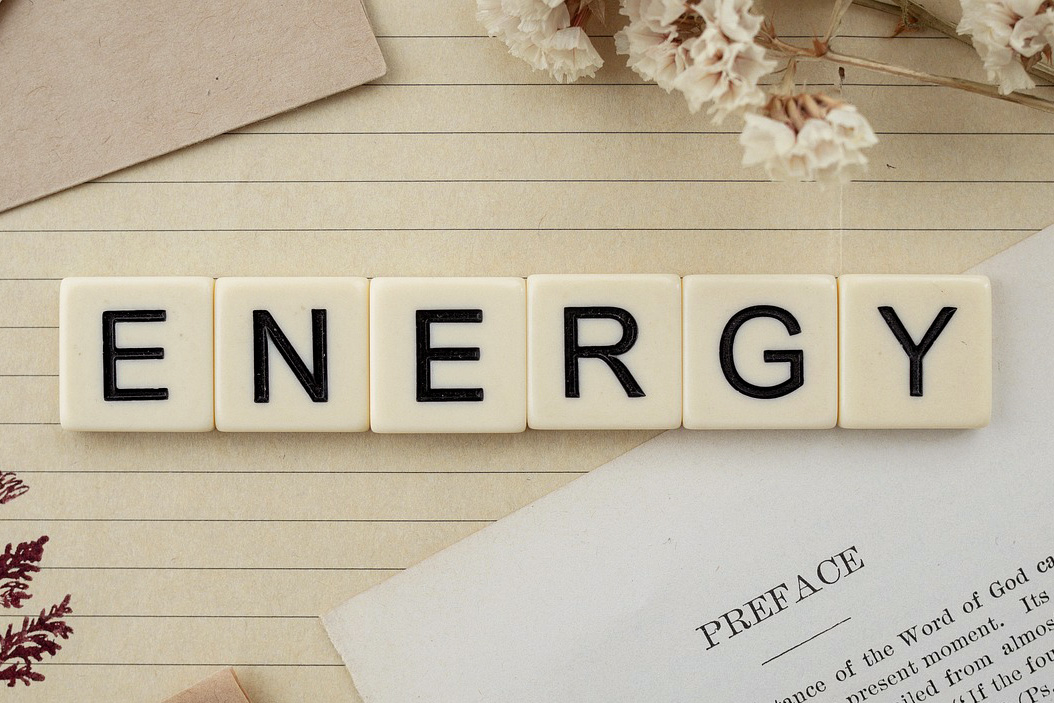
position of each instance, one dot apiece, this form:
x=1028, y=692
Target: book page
x=892, y=567
x=184, y=554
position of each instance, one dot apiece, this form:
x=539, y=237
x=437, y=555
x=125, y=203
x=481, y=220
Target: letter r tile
x=292, y=355
x=135, y=354
x=915, y=351
x=604, y=351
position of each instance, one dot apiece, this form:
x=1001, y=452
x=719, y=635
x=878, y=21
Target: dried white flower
x=807, y=137
x=545, y=33
x=705, y=49
x=571, y=55
x=1010, y=35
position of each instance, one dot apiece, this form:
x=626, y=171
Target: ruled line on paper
x=765, y=181
x=187, y=520
x=611, y=36
x=622, y=132
x=638, y=84
x=171, y=616
x=806, y=641
x=223, y=568
x=507, y=229
x=205, y=664
x=324, y=472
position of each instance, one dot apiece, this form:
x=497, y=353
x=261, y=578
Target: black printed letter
x=573, y=352
x=426, y=354
x=793, y=357
x=914, y=351
x=315, y=383
x=111, y=354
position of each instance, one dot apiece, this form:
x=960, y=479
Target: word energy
x=503, y=354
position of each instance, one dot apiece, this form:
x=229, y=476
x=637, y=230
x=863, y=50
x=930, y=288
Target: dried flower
x=17, y=566
x=547, y=34
x=11, y=487
x=807, y=137
x=1010, y=36
x=38, y=637
x=704, y=49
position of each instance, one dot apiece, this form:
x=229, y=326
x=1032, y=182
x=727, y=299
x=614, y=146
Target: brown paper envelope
x=221, y=687
x=90, y=87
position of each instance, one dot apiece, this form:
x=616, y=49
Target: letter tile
x=760, y=352
x=915, y=351
x=604, y=351
x=292, y=355
x=135, y=354
x=448, y=355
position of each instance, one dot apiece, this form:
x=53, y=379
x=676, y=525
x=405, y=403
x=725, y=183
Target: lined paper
x=187, y=553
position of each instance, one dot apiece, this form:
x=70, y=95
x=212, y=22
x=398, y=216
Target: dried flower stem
x=837, y=15
x=913, y=11
x=581, y=15
x=11, y=487
x=822, y=52
x=17, y=566
x=38, y=637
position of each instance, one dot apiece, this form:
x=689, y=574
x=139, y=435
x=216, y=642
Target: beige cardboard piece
x=91, y=87
x=221, y=687
x=196, y=552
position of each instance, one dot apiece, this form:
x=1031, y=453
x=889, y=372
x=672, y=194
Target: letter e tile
x=135, y=354
x=448, y=355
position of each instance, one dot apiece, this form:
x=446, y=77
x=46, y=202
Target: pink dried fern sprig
x=11, y=487
x=37, y=638
x=17, y=566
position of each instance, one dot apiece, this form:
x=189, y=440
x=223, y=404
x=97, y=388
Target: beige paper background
x=188, y=553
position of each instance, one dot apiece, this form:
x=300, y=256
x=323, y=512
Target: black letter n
x=315, y=383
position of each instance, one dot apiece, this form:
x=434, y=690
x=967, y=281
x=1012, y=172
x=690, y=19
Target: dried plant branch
x=11, y=487
x=822, y=52
x=837, y=15
x=38, y=637
x=17, y=566
x=910, y=11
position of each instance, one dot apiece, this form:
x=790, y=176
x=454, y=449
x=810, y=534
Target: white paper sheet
x=595, y=593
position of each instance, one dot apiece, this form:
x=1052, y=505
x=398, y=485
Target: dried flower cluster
x=704, y=49
x=716, y=52
x=547, y=34
x=1011, y=36
x=37, y=638
x=807, y=137
x=11, y=487
x=17, y=566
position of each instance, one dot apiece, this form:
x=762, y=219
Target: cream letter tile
x=448, y=355
x=916, y=351
x=135, y=354
x=604, y=351
x=760, y=352
x=292, y=355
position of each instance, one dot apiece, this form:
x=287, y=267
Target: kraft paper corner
x=221, y=687
x=91, y=88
